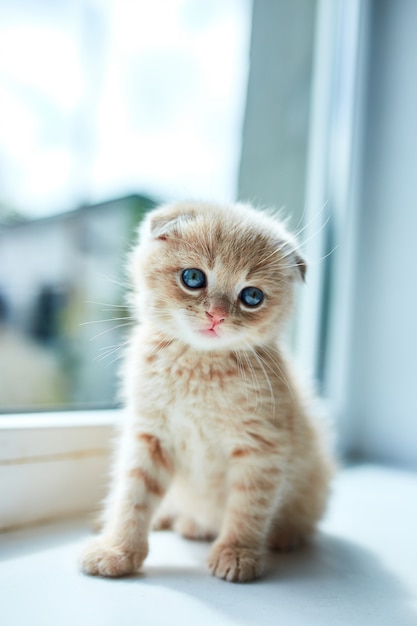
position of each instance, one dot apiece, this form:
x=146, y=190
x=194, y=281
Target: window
x=111, y=108
x=316, y=137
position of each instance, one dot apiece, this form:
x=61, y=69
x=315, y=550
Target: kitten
x=217, y=427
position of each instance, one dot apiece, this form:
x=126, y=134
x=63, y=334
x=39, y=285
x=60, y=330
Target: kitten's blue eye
x=194, y=278
x=251, y=296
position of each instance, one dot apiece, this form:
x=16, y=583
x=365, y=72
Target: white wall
x=382, y=407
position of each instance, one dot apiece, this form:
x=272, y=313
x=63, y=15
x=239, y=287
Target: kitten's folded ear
x=293, y=256
x=168, y=221
x=162, y=228
x=301, y=265
x=287, y=243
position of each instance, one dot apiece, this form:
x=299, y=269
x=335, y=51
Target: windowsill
x=60, y=419
x=53, y=464
x=360, y=570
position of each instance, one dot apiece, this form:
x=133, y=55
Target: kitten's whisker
x=255, y=383
x=322, y=227
x=111, y=319
x=115, y=345
x=157, y=349
x=315, y=216
x=252, y=351
x=267, y=379
x=311, y=262
x=114, y=309
x=242, y=356
x=271, y=254
x=118, y=358
x=109, y=351
x=280, y=373
x=108, y=304
x=300, y=220
x=290, y=250
x=242, y=373
x=325, y=256
x=115, y=280
x=159, y=335
x=108, y=330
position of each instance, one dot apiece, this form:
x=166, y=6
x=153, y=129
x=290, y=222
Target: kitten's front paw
x=235, y=563
x=103, y=559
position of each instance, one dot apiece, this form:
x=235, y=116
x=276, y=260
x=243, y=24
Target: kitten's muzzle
x=216, y=316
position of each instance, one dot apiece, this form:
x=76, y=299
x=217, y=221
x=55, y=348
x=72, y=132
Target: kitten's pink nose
x=216, y=315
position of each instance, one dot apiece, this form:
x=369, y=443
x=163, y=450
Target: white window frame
x=332, y=192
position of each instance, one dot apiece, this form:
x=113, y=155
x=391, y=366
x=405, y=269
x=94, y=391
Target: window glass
x=107, y=108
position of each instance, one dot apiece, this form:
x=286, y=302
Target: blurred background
x=111, y=106
x=107, y=107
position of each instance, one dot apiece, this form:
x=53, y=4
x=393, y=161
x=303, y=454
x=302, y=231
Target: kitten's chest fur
x=203, y=417
x=196, y=389
x=202, y=400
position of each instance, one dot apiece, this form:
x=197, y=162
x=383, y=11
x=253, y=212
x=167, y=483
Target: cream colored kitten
x=217, y=429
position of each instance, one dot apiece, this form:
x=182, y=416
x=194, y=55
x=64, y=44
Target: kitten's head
x=213, y=276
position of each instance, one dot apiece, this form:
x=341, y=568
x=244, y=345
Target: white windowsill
x=360, y=570
x=53, y=464
x=56, y=419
